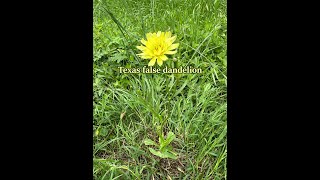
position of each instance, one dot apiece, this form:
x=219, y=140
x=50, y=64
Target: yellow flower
x=157, y=46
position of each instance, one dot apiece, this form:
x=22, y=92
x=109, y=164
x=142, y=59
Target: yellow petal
x=146, y=57
x=158, y=33
x=167, y=35
x=163, y=34
x=142, y=48
x=149, y=35
x=163, y=57
x=170, y=52
x=171, y=40
x=160, y=62
x=146, y=54
x=173, y=46
x=152, y=61
x=143, y=41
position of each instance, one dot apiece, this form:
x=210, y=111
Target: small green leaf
x=170, y=155
x=170, y=137
x=103, y=132
x=118, y=57
x=150, y=142
x=163, y=154
x=161, y=140
x=157, y=153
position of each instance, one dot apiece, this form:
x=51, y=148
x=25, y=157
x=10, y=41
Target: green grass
x=129, y=107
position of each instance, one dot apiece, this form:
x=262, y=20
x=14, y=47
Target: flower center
x=158, y=51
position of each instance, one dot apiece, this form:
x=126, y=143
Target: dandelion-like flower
x=157, y=46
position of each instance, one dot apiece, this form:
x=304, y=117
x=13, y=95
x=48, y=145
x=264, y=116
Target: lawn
x=160, y=125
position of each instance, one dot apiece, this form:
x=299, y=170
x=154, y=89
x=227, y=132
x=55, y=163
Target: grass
x=128, y=108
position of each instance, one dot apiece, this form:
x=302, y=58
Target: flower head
x=157, y=46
